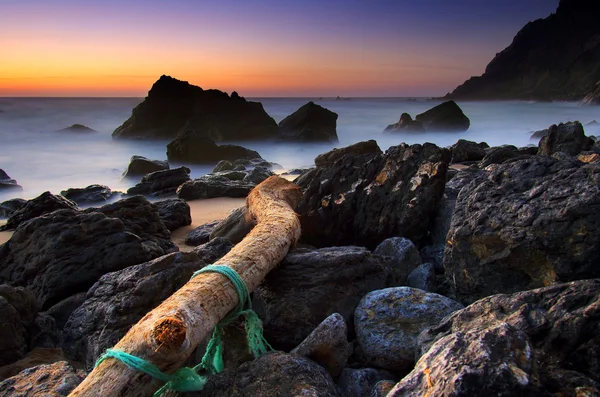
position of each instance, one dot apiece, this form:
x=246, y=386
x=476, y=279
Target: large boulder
x=6, y=182
x=330, y=157
x=174, y=213
x=311, y=284
x=140, y=166
x=500, y=155
x=161, y=183
x=173, y=106
x=447, y=116
x=568, y=138
x=63, y=253
x=365, y=198
x=215, y=185
x=526, y=224
x=120, y=299
x=201, y=234
x=406, y=123
x=50, y=380
x=78, y=128
x=43, y=204
x=541, y=342
x=9, y=206
x=235, y=227
x=195, y=147
x=88, y=195
x=18, y=310
x=309, y=123
x=388, y=322
x=464, y=150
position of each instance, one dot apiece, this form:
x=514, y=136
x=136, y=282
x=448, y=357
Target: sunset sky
x=259, y=48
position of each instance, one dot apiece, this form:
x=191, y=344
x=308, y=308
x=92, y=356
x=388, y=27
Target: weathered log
x=169, y=334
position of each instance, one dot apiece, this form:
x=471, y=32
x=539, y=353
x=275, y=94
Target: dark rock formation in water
x=464, y=150
x=525, y=224
x=406, y=123
x=140, y=166
x=568, y=138
x=593, y=98
x=6, y=182
x=223, y=184
x=556, y=58
x=43, y=204
x=88, y=195
x=445, y=117
x=9, y=206
x=310, y=123
x=195, y=147
x=77, y=128
x=173, y=106
x=330, y=157
x=161, y=183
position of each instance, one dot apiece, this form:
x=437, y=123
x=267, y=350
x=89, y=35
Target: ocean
x=41, y=159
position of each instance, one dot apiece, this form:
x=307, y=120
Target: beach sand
x=203, y=211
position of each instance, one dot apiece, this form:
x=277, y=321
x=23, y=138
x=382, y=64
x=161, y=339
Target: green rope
x=186, y=378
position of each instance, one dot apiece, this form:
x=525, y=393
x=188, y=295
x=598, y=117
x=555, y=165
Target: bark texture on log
x=168, y=335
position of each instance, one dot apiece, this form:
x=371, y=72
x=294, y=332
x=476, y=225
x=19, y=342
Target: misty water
x=40, y=158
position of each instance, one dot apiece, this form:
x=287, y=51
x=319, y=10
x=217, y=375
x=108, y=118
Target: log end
x=169, y=333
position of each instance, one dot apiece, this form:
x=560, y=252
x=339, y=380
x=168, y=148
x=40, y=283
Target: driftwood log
x=168, y=335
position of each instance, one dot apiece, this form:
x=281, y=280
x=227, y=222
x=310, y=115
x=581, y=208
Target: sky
x=260, y=48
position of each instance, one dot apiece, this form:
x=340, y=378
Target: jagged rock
x=275, y=374
x=402, y=252
x=330, y=157
x=201, y=234
x=447, y=116
x=44, y=332
x=550, y=334
x=501, y=155
x=51, y=380
x=311, y=284
x=214, y=250
x=257, y=175
x=63, y=309
x=119, y=299
x=406, y=123
x=140, y=166
x=88, y=195
x=534, y=65
x=234, y=228
x=161, y=183
x=388, y=322
x=568, y=138
x=327, y=345
x=361, y=382
x=77, y=128
x=464, y=150
x=309, y=123
x=222, y=165
x=423, y=277
x=43, y=204
x=9, y=206
x=63, y=253
x=364, y=199
x=17, y=310
x=525, y=224
x=195, y=147
x=173, y=106
x=537, y=135
x=6, y=182
x=528, y=150
x=174, y=213
x=210, y=186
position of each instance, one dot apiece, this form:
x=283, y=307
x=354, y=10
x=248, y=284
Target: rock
x=549, y=336
x=222, y=165
x=364, y=199
x=568, y=138
x=140, y=166
x=65, y=252
x=18, y=310
x=234, y=228
x=201, y=234
x=120, y=299
x=88, y=195
x=43, y=204
x=174, y=213
x=388, y=322
x=51, y=380
x=530, y=150
x=406, y=123
x=258, y=175
x=309, y=123
x=295, y=171
x=327, y=345
x=447, y=116
x=382, y=388
x=214, y=250
x=173, y=106
x=161, y=183
x=210, y=186
x=311, y=284
x=360, y=382
x=433, y=254
x=275, y=374
x=464, y=150
x=423, y=277
x=526, y=224
x=37, y=356
x=588, y=157
x=6, y=182
x=63, y=309
x=403, y=253
x=195, y=147
x=44, y=332
x=330, y=157
x=77, y=128
x=9, y=206
x=593, y=97
x=537, y=135
x=533, y=66
x=501, y=155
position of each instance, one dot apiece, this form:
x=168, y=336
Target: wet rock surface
x=330, y=157
x=161, y=183
x=88, y=195
x=140, y=166
x=42, y=204
x=195, y=147
x=6, y=182
x=201, y=234
x=174, y=213
x=568, y=138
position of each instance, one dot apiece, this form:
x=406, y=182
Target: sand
x=203, y=211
